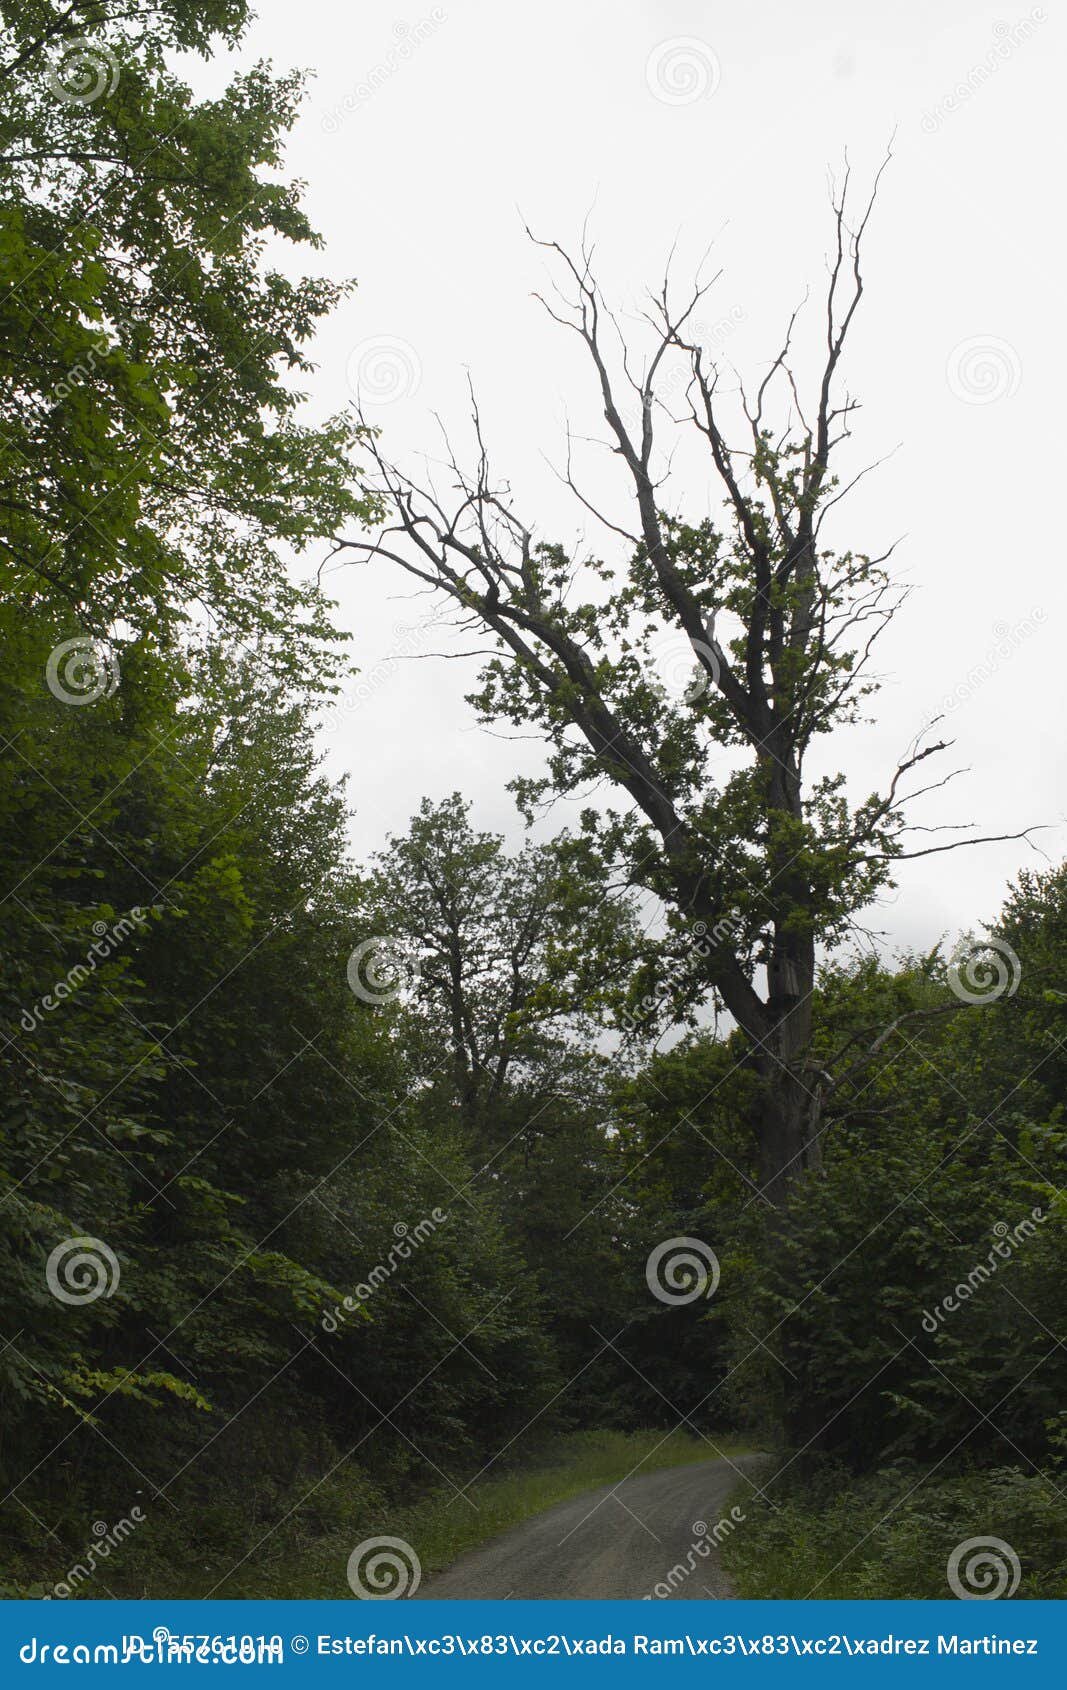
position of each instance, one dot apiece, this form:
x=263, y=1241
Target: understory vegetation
x=330, y=1188
x=306, y=1556
x=889, y=1535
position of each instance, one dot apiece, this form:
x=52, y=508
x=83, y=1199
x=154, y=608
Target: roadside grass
x=260, y=1538
x=890, y=1535
x=441, y=1526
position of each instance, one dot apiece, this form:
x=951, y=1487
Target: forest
x=344, y=1199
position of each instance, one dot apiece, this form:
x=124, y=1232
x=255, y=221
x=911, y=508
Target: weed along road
x=656, y=1534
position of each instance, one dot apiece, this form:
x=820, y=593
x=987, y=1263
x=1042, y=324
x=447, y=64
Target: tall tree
x=514, y=959
x=153, y=466
x=757, y=864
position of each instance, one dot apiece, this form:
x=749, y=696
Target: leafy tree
x=153, y=466
x=188, y=1080
x=918, y=1286
x=213, y=1104
x=514, y=963
x=515, y=960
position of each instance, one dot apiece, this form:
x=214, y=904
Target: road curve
x=653, y=1534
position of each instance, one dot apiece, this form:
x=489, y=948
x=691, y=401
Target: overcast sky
x=430, y=129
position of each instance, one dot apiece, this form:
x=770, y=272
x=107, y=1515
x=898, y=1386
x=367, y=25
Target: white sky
x=417, y=184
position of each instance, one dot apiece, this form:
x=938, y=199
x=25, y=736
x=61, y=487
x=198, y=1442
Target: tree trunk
x=787, y=1129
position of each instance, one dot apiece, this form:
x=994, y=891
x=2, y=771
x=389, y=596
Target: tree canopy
x=333, y=1190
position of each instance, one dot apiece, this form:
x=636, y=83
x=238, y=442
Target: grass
x=440, y=1526
x=275, y=1540
x=891, y=1534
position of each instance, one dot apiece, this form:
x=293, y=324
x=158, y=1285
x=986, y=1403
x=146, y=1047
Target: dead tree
x=762, y=863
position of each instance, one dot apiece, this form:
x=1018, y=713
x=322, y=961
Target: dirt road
x=654, y=1534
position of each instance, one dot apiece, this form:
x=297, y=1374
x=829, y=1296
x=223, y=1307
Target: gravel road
x=653, y=1534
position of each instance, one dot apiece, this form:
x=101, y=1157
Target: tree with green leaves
x=154, y=469
x=197, y=1113
x=757, y=863
x=515, y=961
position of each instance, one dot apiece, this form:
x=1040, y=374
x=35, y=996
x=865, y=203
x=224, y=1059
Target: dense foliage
x=201, y=1121
x=327, y=1188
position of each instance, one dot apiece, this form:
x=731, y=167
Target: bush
x=891, y=1533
